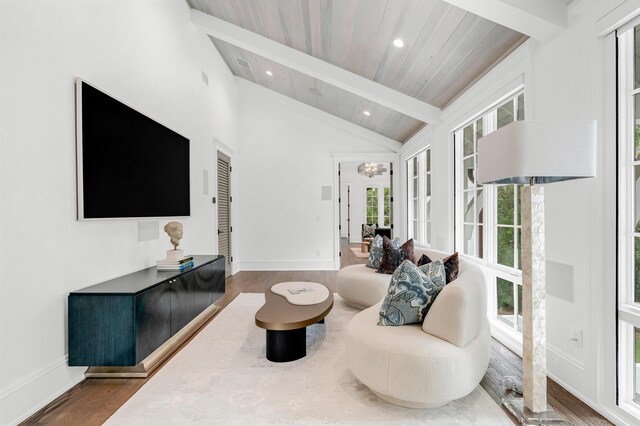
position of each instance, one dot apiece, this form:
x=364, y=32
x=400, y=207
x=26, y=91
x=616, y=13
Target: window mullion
x=515, y=306
x=628, y=309
x=416, y=197
x=421, y=190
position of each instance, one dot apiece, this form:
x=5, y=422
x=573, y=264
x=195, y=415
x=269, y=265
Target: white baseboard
x=286, y=265
x=234, y=267
x=21, y=399
x=606, y=413
x=554, y=351
x=516, y=346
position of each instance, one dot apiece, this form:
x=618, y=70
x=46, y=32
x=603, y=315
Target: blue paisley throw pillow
x=411, y=293
x=436, y=271
x=375, y=251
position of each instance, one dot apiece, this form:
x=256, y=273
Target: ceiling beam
x=316, y=68
x=540, y=19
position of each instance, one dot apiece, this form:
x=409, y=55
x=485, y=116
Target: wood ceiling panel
x=446, y=48
x=454, y=85
x=416, y=35
x=457, y=47
x=277, y=26
x=223, y=10
x=368, y=21
x=249, y=15
x=412, y=73
x=318, y=94
x=357, y=36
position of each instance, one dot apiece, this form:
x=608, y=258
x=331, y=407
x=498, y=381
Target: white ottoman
x=360, y=286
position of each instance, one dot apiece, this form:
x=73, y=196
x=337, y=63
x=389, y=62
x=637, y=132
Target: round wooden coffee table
x=286, y=323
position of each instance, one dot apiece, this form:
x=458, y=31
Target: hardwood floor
x=93, y=401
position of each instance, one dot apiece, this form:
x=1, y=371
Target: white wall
x=284, y=159
x=570, y=77
x=145, y=53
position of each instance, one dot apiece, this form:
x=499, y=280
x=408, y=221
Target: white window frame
x=423, y=235
x=628, y=309
x=489, y=225
x=380, y=187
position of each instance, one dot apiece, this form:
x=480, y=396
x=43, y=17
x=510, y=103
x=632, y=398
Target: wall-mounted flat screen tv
x=129, y=166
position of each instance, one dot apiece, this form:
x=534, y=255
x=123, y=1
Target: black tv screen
x=129, y=166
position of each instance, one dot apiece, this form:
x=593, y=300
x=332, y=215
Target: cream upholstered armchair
x=430, y=364
x=368, y=231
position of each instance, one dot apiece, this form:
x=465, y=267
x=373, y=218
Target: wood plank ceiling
x=445, y=50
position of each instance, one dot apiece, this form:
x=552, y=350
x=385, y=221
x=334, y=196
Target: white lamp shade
x=538, y=152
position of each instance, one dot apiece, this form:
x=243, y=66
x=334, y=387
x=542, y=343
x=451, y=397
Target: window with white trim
x=387, y=207
x=419, y=197
x=372, y=205
x=629, y=220
x=378, y=205
x=488, y=226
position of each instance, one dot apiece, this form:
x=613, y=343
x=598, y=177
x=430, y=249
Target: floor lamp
x=533, y=153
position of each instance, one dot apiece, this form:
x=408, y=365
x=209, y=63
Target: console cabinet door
x=153, y=320
x=217, y=283
x=100, y=330
x=182, y=301
x=209, y=284
x=203, y=278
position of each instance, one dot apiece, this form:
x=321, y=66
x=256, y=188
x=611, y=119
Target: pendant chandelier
x=371, y=169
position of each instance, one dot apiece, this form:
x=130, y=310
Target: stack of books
x=175, y=264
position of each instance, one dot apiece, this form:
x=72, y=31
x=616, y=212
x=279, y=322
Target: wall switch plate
x=205, y=182
x=576, y=337
x=326, y=193
x=148, y=230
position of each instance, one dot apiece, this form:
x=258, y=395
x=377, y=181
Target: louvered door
x=224, y=210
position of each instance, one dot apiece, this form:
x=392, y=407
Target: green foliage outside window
x=508, y=223
x=637, y=133
x=637, y=271
x=505, y=296
x=372, y=205
x=637, y=341
x=387, y=206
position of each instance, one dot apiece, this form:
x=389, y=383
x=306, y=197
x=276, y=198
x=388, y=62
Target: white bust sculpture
x=175, y=232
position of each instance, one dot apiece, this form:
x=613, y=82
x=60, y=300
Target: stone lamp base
x=515, y=405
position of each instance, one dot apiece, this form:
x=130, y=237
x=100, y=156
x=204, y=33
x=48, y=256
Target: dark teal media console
x=126, y=326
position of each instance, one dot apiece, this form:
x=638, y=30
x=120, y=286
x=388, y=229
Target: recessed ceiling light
x=367, y=113
x=398, y=42
x=269, y=73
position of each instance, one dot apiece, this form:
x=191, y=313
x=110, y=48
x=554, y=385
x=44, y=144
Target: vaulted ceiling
x=339, y=55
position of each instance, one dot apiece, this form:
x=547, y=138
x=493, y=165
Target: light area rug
x=222, y=377
x=358, y=252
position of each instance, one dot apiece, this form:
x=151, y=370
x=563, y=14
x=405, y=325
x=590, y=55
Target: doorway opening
x=365, y=198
